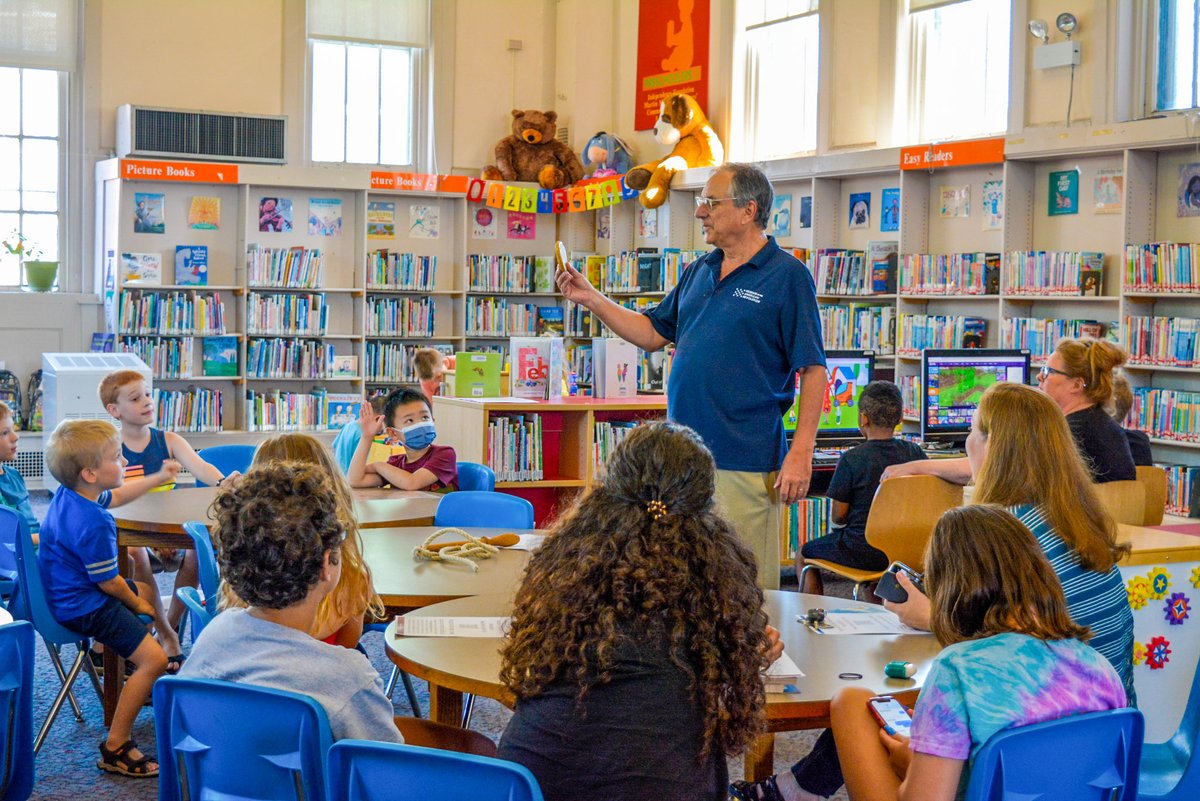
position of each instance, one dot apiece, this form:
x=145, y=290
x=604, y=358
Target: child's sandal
x=119, y=761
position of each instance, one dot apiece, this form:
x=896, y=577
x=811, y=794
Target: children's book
x=191, y=264
x=649, y=265
x=550, y=321
x=477, y=375
x=205, y=213
x=974, y=329
x=343, y=408
x=882, y=257
x=345, y=365
x=141, y=269
x=148, y=217
x=614, y=367
x=543, y=273
x=103, y=343
x=537, y=367
x=220, y=356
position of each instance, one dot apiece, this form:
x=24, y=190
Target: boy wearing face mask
x=422, y=466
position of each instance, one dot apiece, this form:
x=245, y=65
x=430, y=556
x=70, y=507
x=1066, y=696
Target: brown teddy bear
x=681, y=123
x=532, y=153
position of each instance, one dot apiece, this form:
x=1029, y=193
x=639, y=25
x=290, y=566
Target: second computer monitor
x=847, y=372
x=952, y=381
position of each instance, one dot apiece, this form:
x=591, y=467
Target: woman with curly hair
x=339, y=619
x=638, y=635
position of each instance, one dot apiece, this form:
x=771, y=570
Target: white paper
x=782, y=672
x=412, y=626
x=527, y=542
x=853, y=621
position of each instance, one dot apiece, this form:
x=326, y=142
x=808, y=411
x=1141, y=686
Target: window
x=958, y=57
x=366, y=76
x=781, y=40
x=1178, y=56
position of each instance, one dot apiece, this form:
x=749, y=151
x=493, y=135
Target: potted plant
x=39, y=275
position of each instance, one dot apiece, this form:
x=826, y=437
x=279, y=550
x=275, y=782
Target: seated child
x=1012, y=657
x=339, y=619
x=280, y=543
x=430, y=364
x=423, y=465
x=78, y=564
x=1139, y=441
x=854, y=482
x=127, y=397
x=13, y=492
x=347, y=440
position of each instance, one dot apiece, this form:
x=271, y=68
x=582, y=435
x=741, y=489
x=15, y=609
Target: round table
x=403, y=582
x=454, y=666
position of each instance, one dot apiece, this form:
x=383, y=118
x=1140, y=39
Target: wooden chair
x=431, y=734
x=1154, y=480
x=1124, y=500
x=903, y=514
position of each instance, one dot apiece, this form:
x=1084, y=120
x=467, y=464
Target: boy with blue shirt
x=78, y=564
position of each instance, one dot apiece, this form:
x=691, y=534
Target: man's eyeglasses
x=702, y=201
x=1047, y=370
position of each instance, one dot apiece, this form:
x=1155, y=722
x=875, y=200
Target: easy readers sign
x=952, y=154
x=142, y=170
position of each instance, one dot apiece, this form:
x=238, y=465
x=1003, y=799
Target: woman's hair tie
x=657, y=510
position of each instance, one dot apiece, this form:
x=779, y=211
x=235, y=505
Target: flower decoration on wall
x=1160, y=582
x=1139, y=653
x=1196, y=576
x=1138, y=590
x=1158, y=653
x=1177, y=608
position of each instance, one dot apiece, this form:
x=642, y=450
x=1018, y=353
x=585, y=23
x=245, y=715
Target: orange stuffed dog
x=681, y=123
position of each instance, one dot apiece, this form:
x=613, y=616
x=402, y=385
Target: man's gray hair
x=750, y=183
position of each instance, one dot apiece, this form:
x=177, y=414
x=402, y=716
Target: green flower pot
x=40, y=275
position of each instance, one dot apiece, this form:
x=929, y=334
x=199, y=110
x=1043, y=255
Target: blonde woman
x=339, y=618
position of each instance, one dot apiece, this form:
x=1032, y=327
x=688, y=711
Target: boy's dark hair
x=399, y=398
x=881, y=401
x=378, y=403
x=274, y=525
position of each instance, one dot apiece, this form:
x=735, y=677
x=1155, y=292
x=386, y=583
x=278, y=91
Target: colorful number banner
x=588, y=194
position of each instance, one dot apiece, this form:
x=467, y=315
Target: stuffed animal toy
x=531, y=153
x=682, y=124
x=608, y=154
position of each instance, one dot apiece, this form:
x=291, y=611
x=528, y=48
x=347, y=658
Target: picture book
x=1064, y=193
x=543, y=273
x=522, y=225
x=806, y=211
x=345, y=366
x=1188, y=204
x=1108, y=191
x=974, y=329
x=889, y=212
x=614, y=368
x=275, y=215
x=993, y=205
x=860, y=210
x=594, y=269
x=649, y=266
x=381, y=219
x=1091, y=282
x=550, y=321
x=148, y=214
x=477, y=375
x=483, y=223
x=781, y=216
x=141, y=269
x=604, y=224
x=424, y=222
x=204, y=213
x=324, y=216
x=220, y=356
x=648, y=223
x=537, y=367
x=955, y=201
x=343, y=408
x=191, y=264
x=882, y=258
x=103, y=343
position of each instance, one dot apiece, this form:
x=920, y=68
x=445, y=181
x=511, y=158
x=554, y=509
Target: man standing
x=744, y=321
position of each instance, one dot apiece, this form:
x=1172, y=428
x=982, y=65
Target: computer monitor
x=848, y=371
x=952, y=382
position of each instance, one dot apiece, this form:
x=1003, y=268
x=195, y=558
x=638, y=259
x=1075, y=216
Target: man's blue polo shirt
x=739, y=343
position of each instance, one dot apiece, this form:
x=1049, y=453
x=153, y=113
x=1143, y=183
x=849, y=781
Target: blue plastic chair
x=1171, y=770
x=206, y=563
x=227, y=458
x=196, y=611
x=219, y=739
x=16, y=711
x=495, y=509
x=8, y=560
x=362, y=770
x=55, y=636
x=474, y=477
x=1104, y=749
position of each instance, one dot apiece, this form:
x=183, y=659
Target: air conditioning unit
x=200, y=135
x=69, y=389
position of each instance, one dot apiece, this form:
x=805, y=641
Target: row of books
x=194, y=410
x=289, y=358
x=296, y=267
x=1162, y=267
x=803, y=521
x=607, y=436
x=1054, y=272
x=578, y=321
x=171, y=313
x=503, y=273
x=1163, y=341
x=390, y=362
x=498, y=317
x=857, y=272
x=910, y=393
x=303, y=314
x=274, y=410
x=579, y=361
x=1040, y=336
x=645, y=269
x=407, y=316
x=915, y=332
x=1166, y=413
x=523, y=320
x=1183, y=489
x=514, y=447
x=859, y=326
x=404, y=271
x=950, y=274
x=170, y=357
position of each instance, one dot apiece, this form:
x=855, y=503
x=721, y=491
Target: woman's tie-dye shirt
x=979, y=687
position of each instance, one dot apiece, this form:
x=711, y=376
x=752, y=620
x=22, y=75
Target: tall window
x=367, y=63
x=958, y=58
x=780, y=95
x=1178, y=55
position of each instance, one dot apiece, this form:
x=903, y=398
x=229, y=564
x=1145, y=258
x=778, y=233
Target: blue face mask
x=418, y=436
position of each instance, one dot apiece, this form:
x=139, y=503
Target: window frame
x=1153, y=58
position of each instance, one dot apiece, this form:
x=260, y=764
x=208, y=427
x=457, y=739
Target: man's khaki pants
x=750, y=502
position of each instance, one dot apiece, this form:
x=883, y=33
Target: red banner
x=672, y=55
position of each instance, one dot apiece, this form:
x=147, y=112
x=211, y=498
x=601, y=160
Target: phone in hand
x=889, y=588
x=561, y=258
x=891, y=714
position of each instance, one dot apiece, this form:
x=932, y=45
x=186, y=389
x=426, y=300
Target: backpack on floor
x=10, y=394
x=33, y=391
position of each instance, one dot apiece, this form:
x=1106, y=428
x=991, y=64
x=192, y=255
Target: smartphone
x=891, y=714
x=560, y=255
x=889, y=588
